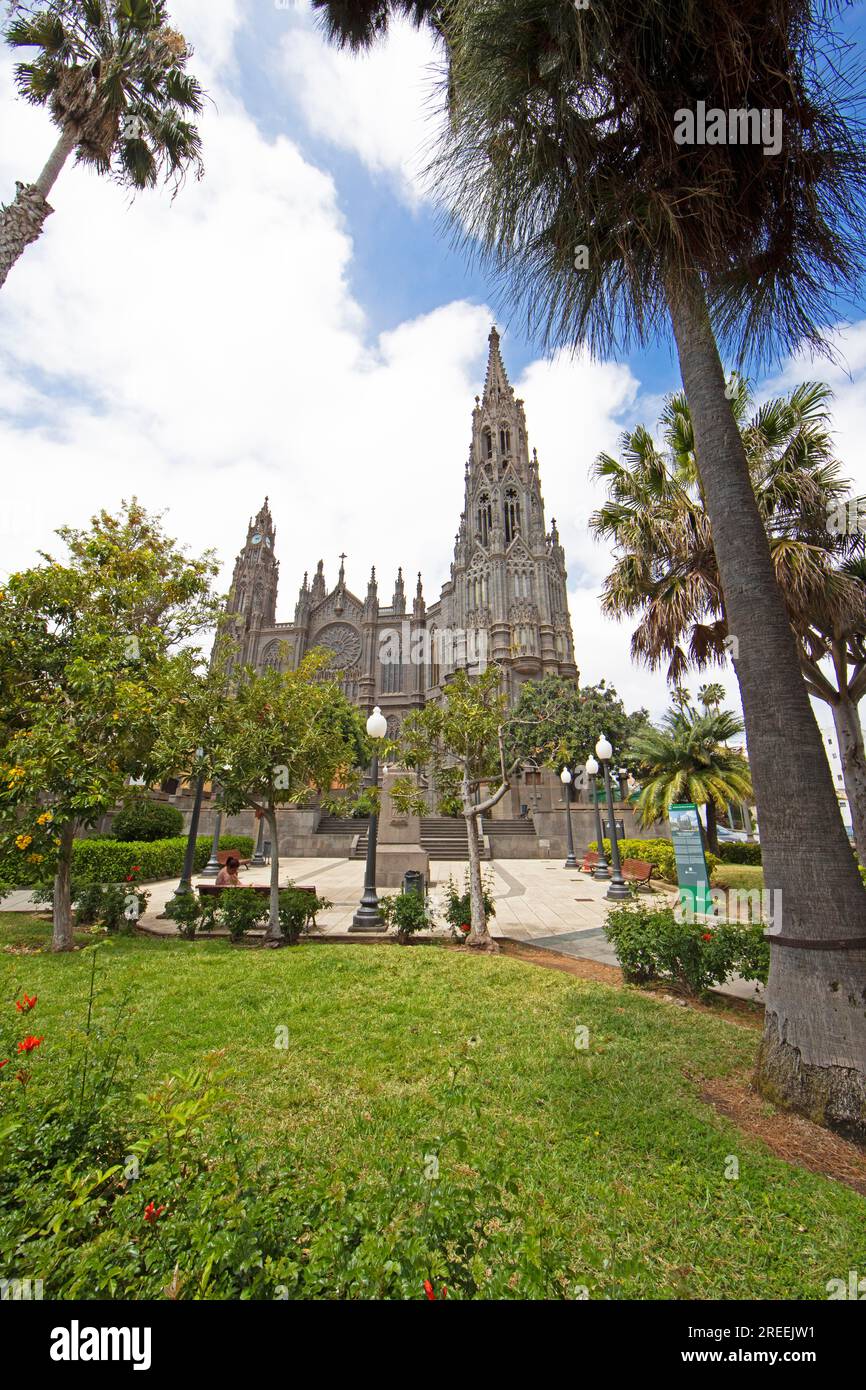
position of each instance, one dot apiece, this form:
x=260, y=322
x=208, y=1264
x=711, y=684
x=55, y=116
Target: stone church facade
x=505, y=600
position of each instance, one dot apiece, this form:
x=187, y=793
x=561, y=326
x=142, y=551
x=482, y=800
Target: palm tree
x=561, y=171
x=113, y=78
x=711, y=696
x=666, y=569
x=684, y=760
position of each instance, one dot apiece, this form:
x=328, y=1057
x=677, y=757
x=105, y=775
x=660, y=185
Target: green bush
x=458, y=906
x=659, y=853
x=739, y=852
x=146, y=820
x=241, y=909
x=651, y=944
x=407, y=912
x=298, y=911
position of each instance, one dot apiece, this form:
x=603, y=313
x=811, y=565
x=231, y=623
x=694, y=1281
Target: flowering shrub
x=651, y=944
x=458, y=906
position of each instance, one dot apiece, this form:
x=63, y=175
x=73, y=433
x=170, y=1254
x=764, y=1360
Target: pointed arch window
x=505, y=441
x=512, y=514
x=434, y=656
x=485, y=518
x=488, y=444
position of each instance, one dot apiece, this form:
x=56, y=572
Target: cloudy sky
x=294, y=325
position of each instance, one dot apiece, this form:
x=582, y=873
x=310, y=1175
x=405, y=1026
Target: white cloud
x=377, y=104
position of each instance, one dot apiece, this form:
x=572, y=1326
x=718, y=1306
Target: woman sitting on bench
x=228, y=874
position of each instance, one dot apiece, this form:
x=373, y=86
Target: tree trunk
x=813, y=1054
x=479, y=935
x=275, y=931
x=849, y=736
x=22, y=220
x=712, y=827
x=62, y=915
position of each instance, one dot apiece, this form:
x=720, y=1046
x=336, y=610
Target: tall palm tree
x=710, y=696
x=666, y=569
x=113, y=76
x=561, y=170
x=684, y=760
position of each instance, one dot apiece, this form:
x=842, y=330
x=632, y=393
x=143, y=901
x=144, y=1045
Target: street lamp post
x=258, y=858
x=185, y=884
x=601, y=870
x=565, y=778
x=618, y=889
x=368, y=917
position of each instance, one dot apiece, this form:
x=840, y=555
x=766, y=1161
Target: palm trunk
x=813, y=1053
x=62, y=939
x=712, y=828
x=22, y=220
x=275, y=931
x=849, y=736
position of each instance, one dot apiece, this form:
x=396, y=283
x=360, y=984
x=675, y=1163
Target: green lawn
x=611, y=1145
x=738, y=876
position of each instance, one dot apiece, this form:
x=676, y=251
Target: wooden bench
x=637, y=871
x=223, y=856
x=590, y=859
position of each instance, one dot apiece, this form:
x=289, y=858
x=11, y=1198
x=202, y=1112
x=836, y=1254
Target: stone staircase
x=443, y=837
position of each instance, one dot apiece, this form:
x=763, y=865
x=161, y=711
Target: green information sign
x=688, y=842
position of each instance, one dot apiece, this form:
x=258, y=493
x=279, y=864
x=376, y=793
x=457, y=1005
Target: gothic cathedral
x=506, y=600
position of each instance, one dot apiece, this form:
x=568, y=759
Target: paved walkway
x=537, y=901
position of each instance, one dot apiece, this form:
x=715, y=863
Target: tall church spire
x=496, y=384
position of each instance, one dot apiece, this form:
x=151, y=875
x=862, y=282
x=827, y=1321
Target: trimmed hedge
x=109, y=861
x=739, y=852
x=147, y=820
x=659, y=853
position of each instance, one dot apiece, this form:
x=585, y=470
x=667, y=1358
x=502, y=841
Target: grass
x=613, y=1142
x=738, y=876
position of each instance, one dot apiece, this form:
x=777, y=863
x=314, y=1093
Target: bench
x=590, y=859
x=637, y=871
x=223, y=855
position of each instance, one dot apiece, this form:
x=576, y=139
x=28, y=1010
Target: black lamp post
x=258, y=858
x=185, y=884
x=601, y=869
x=368, y=917
x=565, y=778
x=618, y=889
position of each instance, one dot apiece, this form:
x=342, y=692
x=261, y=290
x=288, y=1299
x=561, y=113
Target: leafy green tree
x=556, y=724
x=269, y=740
x=685, y=760
x=89, y=676
x=565, y=171
x=462, y=741
x=112, y=74
x=666, y=572
x=710, y=696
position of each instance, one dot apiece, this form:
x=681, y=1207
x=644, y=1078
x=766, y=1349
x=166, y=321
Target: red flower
x=29, y=1003
x=428, y=1289
x=29, y=1044
x=707, y=936
x=465, y=927
x=152, y=1213
x=4, y=1063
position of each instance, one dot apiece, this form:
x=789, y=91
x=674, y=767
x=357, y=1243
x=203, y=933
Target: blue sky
x=296, y=325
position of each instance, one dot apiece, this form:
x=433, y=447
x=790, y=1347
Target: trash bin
x=413, y=882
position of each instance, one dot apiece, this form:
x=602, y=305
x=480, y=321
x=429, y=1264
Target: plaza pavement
x=538, y=902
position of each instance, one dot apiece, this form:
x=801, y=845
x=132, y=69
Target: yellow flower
x=23, y=841
x=35, y=858
x=45, y=819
